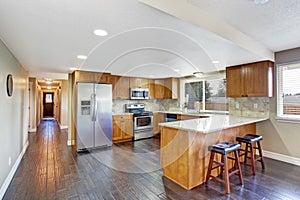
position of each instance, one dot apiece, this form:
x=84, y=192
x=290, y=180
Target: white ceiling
x=46, y=36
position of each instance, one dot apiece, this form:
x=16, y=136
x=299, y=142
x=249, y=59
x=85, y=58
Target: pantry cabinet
x=250, y=80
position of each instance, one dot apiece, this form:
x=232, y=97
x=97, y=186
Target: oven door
x=143, y=122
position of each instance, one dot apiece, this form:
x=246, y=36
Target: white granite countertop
x=213, y=123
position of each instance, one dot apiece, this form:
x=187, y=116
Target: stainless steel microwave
x=139, y=93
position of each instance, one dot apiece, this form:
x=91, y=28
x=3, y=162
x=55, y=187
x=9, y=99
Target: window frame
x=220, y=75
x=279, y=100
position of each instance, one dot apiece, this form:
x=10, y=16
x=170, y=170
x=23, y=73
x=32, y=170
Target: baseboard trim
x=281, y=157
x=12, y=171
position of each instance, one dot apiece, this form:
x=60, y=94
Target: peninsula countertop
x=214, y=122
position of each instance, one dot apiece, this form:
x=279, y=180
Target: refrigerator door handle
x=93, y=107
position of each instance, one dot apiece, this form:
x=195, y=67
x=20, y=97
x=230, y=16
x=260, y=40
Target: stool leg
x=226, y=175
x=238, y=166
x=253, y=164
x=246, y=153
x=261, y=156
x=212, y=155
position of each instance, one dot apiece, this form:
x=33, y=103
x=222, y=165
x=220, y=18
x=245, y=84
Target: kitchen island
x=184, y=153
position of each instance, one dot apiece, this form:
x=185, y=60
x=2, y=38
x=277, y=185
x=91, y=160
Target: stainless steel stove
x=142, y=121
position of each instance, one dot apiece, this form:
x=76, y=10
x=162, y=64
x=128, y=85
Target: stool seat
x=249, y=138
x=224, y=147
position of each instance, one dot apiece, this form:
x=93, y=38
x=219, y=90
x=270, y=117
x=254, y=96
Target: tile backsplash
x=151, y=104
x=249, y=107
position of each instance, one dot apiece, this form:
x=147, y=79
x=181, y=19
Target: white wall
x=14, y=116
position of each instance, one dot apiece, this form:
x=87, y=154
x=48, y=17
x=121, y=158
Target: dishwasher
x=170, y=117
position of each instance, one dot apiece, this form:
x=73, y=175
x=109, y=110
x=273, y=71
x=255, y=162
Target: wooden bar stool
x=224, y=148
x=249, y=140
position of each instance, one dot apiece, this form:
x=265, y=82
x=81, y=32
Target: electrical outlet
x=255, y=106
x=237, y=106
x=9, y=161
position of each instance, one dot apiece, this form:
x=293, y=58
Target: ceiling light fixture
x=260, y=2
x=100, y=32
x=82, y=57
x=198, y=74
x=73, y=68
x=215, y=62
x=49, y=87
x=48, y=82
x=176, y=70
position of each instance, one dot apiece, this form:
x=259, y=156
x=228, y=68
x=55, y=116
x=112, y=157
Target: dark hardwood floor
x=49, y=170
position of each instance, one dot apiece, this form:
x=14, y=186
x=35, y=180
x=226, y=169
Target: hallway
x=49, y=170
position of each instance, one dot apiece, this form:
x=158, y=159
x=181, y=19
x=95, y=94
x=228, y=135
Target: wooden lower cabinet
x=122, y=128
x=157, y=118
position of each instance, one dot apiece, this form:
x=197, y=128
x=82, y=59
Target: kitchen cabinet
x=120, y=85
x=157, y=118
x=122, y=128
x=159, y=89
x=250, y=80
x=103, y=78
x=92, y=77
x=138, y=82
x=171, y=91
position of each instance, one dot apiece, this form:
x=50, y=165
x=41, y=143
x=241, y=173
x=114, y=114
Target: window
x=48, y=98
x=210, y=94
x=288, y=94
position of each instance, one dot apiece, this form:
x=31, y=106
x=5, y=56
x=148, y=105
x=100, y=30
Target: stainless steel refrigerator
x=94, y=116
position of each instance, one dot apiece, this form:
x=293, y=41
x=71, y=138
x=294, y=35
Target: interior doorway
x=48, y=104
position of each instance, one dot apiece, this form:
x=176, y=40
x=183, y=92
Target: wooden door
x=48, y=104
x=235, y=86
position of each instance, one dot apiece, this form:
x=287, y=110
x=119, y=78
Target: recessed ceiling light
x=48, y=82
x=215, y=61
x=100, y=32
x=259, y=2
x=49, y=87
x=176, y=70
x=73, y=68
x=82, y=57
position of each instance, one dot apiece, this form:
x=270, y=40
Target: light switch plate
x=255, y=106
x=237, y=106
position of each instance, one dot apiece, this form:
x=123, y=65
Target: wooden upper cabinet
x=120, y=86
x=103, y=78
x=171, y=91
x=159, y=89
x=92, y=77
x=138, y=82
x=84, y=77
x=235, y=81
x=250, y=80
x=151, y=89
